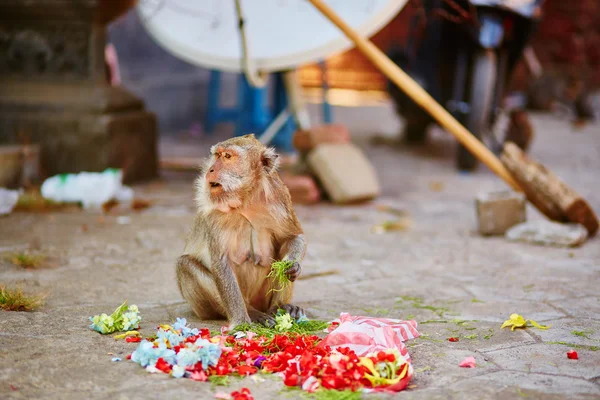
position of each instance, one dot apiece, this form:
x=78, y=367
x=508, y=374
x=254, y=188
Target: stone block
x=54, y=91
x=499, y=211
x=11, y=166
x=305, y=141
x=81, y=128
x=344, y=172
x=303, y=188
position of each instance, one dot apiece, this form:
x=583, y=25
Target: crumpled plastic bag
x=8, y=200
x=366, y=335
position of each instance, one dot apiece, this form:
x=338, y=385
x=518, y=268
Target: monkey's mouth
x=214, y=185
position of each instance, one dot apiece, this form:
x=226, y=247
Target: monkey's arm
x=230, y=292
x=294, y=249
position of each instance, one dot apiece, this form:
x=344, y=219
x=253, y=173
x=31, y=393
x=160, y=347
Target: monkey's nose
x=212, y=170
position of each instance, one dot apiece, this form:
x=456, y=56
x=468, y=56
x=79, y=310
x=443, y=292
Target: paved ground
x=440, y=260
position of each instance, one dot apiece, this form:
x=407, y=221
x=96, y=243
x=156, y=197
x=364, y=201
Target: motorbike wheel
x=480, y=100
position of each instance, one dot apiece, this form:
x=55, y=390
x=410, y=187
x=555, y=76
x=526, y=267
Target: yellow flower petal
x=517, y=321
x=536, y=325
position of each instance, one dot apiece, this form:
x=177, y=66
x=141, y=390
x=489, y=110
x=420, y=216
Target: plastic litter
x=8, y=200
x=91, y=189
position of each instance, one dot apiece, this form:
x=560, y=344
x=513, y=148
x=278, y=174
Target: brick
x=344, y=172
x=499, y=211
x=305, y=141
x=303, y=188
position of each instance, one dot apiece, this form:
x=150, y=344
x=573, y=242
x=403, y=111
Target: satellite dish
x=280, y=34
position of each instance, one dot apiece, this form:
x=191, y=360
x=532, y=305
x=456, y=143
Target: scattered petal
x=468, y=362
x=572, y=355
x=536, y=325
x=517, y=321
x=453, y=339
x=115, y=359
x=222, y=396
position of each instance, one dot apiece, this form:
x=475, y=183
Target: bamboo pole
x=420, y=96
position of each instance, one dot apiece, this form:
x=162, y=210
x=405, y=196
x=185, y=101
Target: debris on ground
x=8, y=200
x=358, y=354
x=499, y=211
x=453, y=339
x=303, y=188
x=436, y=186
x=31, y=200
x=392, y=210
x=127, y=335
x=91, y=189
x=320, y=274
x=517, y=321
x=391, y=226
x=572, y=355
x=16, y=300
x=468, y=362
x=27, y=260
x=123, y=319
x=548, y=233
x=242, y=394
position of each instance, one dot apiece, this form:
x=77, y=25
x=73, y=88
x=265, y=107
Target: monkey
x=244, y=221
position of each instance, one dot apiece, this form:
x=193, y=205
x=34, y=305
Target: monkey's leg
x=294, y=249
x=216, y=291
x=198, y=288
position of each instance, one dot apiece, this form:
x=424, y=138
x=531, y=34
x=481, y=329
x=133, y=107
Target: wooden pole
x=547, y=191
x=420, y=96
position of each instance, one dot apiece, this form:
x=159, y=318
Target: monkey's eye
x=227, y=155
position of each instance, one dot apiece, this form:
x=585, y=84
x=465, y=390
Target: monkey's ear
x=249, y=136
x=270, y=159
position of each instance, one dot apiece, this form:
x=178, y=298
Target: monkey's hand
x=293, y=272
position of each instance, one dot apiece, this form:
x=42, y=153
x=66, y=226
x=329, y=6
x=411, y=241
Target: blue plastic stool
x=251, y=114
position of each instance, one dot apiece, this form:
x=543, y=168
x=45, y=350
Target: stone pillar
x=54, y=90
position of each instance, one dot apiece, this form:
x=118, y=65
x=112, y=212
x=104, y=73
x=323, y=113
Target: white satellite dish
x=280, y=34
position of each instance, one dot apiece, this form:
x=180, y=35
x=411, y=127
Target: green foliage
x=302, y=327
x=278, y=274
x=16, y=300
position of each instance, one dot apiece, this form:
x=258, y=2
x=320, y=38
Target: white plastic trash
x=8, y=200
x=92, y=189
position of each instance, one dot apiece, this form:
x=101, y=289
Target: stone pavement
x=437, y=270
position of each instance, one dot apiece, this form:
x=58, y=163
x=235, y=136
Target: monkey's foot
x=294, y=311
x=262, y=318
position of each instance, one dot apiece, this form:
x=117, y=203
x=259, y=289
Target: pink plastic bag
x=365, y=335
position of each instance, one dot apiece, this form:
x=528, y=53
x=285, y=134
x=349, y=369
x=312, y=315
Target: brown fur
x=241, y=227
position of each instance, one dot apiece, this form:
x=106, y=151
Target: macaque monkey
x=245, y=221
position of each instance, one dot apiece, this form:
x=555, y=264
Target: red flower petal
x=133, y=339
x=572, y=355
x=245, y=370
x=291, y=380
x=453, y=339
x=162, y=365
x=198, y=376
x=468, y=362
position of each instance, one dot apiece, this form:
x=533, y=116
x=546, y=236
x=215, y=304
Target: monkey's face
x=225, y=173
x=235, y=170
